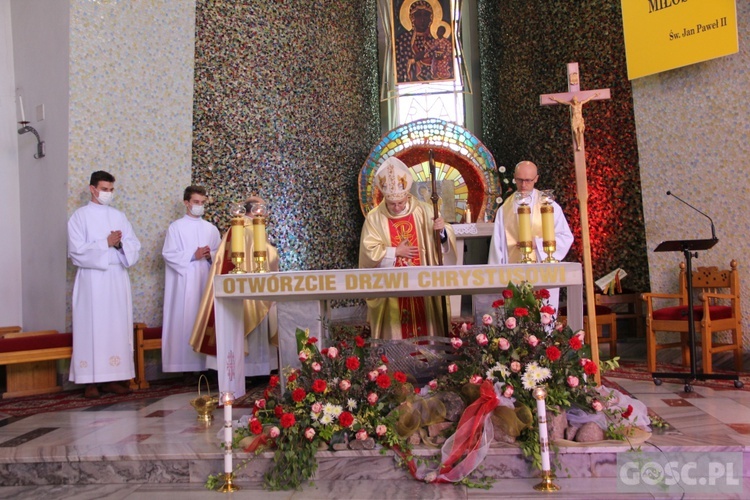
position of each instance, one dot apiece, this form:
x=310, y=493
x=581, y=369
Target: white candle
x=227, y=434
x=541, y=411
x=20, y=105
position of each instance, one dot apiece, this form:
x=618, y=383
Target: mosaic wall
x=524, y=48
x=286, y=107
x=130, y=114
x=694, y=140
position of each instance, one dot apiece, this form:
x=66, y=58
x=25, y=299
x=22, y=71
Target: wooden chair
x=604, y=317
x=30, y=360
x=145, y=339
x=716, y=308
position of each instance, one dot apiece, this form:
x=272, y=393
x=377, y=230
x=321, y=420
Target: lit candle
x=20, y=105
x=259, y=234
x=548, y=223
x=524, y=223
x=467, y=214
x=227, y=433
x=238, y=235
x=541, y=410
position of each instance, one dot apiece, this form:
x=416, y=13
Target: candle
x=524, y=224
x=467, y=214
x=238, y=235
x=548, y=223
x=20, y=105
x=227, y=435
x=259, y=234
x=541, y=411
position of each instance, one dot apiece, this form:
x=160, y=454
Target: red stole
x=412, y=309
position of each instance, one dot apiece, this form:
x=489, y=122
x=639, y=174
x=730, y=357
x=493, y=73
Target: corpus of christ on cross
x=575, y=98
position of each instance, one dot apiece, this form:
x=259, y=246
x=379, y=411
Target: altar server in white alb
x=102, y=244
x=504, y=247
x=189, y=250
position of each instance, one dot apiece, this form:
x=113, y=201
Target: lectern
x=690, y=248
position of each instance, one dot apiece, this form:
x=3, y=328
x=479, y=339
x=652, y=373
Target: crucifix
x=575, y=98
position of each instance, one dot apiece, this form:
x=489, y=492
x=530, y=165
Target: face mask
x=105, y=197
x=196, y=210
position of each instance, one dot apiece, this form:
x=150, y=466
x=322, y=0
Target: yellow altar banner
x=665, y=34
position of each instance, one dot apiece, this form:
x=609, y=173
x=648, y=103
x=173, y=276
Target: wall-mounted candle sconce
x=25, y=127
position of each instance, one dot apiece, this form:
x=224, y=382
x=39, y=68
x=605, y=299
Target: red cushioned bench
x=30, y=360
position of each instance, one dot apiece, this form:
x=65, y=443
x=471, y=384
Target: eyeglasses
x=527, y=181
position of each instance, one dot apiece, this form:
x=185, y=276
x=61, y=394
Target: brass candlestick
x=259, y=213
x=524, y=240
x=540, y=394
x=548, y=225
x=238, y=233
x=228, y=486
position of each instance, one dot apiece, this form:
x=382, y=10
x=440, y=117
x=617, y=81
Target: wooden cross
x=575, y=98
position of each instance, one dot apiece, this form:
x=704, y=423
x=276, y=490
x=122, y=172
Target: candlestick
x=540, y=393
x=259, y=211
x=524, y=233
x=237, y=244
x=227, y=398
x=467, y=214
x=548, y=224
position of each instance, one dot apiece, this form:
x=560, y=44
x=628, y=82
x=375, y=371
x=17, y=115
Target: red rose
x=343, y=344
x=575, y=343
x=298, y=394
x=256, y=427
x=498, y=303
x=324, y=352
x=547, y=309
x=312, y=340
x=628, y=412
x=273, y=381
x=359, y=341
x=346, y=419
x=352, y=363
x=542, y=294
x=590, y=368
x=384, y=359
x=278, y=411
x=400, y=377
x=383, y=381
x=508, y=294
x=288, y=420
x=521, y=312
x=553, y=353
x=319, y=386
x=292, y=378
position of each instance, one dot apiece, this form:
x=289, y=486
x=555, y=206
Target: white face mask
x=196, y=210
x=105, y=197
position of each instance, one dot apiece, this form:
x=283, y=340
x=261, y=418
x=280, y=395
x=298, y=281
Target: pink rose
x=573, y=381
x=309, y=433
x=584, y=361
x=597, y=405
x=452, y=368
x=316, y=366
x=333, y=352
x=433, y=384
x=361, y=435
x=508, y=392
x=260, y=403
x=381, y=429
x=482, y=339
x=581, y=336
x=456, y=342
x=303, y=356
x=345, y=385
x=274, y=432
x=532, y=340
x=476, y=379
x=382, y=369
x=317, y=407
x=515, y=366
x=546, y=319
x=487, y=319
x=372, y=375
x=503, y=344
x=372, y=398
x=510, y=323
x=464, y=328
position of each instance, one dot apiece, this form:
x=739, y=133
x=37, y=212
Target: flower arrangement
x=520, y=347
x=341, y=393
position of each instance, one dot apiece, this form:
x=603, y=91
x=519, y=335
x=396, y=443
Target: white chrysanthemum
x=314, y=415
x=498, y=368
x=534, y=375
x=337, y=410
x=351, y=404
x=527, y=379
x=329, y=409
x=326, y=419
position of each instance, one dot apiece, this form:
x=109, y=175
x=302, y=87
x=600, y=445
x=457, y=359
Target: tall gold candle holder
x=524, y=227
x=237, y=242
x=259, y=213
x=548, y=225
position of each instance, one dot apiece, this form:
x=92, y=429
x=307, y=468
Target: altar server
x=189, y=250
x=504, y=248
x=103, y=245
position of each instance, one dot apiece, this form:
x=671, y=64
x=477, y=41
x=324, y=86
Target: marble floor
x=157, y=449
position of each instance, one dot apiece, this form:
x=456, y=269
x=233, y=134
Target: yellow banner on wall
x=665, y=34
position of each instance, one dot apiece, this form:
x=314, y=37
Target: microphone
x=713, y=229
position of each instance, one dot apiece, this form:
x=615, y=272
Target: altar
x=302, y=300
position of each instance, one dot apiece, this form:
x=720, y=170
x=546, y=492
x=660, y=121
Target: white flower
x=329, y=408
x=314, y=416
x=534, y=375
x=351, y=404
x=501, y=169
x=326, y=419
x=499, y=367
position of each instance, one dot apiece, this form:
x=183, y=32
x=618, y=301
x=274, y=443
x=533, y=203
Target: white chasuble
x=102, y=303
x=184, y=281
